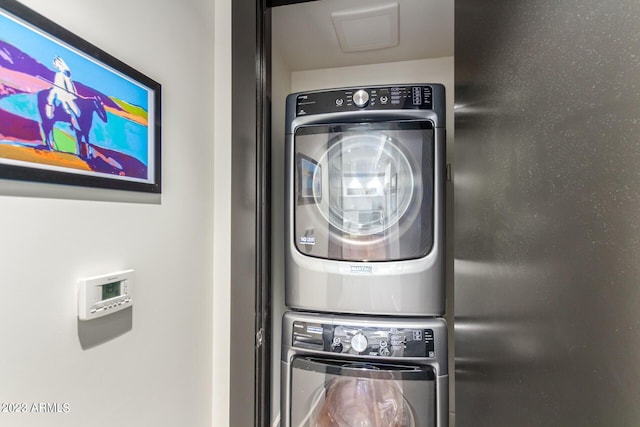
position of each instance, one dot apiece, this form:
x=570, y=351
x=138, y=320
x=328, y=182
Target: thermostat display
x=106, y=294
x=111, y=290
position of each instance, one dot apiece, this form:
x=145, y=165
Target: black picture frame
x=99, y=126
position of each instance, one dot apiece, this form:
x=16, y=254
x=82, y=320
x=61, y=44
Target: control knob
x=359, y=342
x=361, y=98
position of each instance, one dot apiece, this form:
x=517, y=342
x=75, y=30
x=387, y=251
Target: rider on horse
x=63, y=92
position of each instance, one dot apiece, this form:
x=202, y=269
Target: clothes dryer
x=365, y=200
x=353, y=371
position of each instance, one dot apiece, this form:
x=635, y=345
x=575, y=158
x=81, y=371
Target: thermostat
x=106, y=294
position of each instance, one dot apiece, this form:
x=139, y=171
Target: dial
x=361, y=98
x=359, y=342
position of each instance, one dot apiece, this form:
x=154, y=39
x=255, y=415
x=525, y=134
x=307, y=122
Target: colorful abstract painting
x=68, y=117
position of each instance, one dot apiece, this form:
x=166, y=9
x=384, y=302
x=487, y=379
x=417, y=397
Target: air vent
x=367, y=29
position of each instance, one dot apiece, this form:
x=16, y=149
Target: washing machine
x=365, y=200
x=345, y=371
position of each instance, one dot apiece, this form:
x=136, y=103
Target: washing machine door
x=339, y=393
x=364, y=191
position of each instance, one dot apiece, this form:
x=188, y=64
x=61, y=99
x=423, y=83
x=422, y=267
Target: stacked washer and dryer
x=364, y=342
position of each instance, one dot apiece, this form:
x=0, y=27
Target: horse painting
x=86, y=105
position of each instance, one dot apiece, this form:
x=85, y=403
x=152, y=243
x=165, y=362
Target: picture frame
x=309, y=176
x=72, y=114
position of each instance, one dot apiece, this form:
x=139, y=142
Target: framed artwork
x=70, y=113
x=309, y=179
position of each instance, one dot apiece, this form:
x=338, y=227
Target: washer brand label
x=307, y=240
x=366, y=269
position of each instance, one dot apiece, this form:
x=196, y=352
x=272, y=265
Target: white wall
x=156, y=370
x=222, y=211
x=438, y=70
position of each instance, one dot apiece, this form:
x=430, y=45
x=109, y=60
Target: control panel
x=373, y=98
x=365, y=340
x=105, y=294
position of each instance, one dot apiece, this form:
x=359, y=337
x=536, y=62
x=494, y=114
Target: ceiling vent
x=367, y=29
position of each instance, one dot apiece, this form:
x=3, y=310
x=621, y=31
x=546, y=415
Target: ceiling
x=305, y=38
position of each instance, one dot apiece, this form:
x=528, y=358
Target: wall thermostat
x=106, y=294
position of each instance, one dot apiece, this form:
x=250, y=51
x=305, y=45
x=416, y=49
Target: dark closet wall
x=547, y=202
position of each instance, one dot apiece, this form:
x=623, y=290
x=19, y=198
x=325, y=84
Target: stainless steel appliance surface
x=365, y=200
x=341, y=370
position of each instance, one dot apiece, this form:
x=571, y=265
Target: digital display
x=110, y=290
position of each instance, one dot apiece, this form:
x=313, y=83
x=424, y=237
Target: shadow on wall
x=94, y=332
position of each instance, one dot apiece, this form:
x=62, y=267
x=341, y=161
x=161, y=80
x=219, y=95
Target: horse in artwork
x=86, y=105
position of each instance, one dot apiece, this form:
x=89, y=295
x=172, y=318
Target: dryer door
x=339, y=393
x=364, y=191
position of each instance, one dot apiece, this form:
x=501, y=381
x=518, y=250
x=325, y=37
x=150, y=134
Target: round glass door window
x=347, y=402
x=370, y=183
